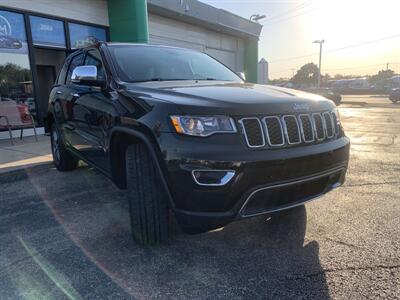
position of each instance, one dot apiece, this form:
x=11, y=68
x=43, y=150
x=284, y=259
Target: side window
x=75, y=62
x=93, y=58
x=63, y=73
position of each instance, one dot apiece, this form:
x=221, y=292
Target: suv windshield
x=144, y=63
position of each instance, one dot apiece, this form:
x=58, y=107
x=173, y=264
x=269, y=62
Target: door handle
x=75, y=95
x=58, y=92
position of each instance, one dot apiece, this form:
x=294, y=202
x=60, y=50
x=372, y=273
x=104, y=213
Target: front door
x=46, y=79
x=93, y=111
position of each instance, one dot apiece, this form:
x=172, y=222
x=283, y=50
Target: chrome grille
x=289, y=130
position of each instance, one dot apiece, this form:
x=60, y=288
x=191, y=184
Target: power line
x=355, y=68
x=337, y=49
x=289, y=11
x=291, y=17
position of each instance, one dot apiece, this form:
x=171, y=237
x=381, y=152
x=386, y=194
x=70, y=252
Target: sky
x=290, y=27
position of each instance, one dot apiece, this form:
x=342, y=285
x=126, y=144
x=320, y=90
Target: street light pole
x=320, y=42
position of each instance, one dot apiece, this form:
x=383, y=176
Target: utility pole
x=320, y=42
x=387, y=66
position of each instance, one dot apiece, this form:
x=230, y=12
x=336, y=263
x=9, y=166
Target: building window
x=47, y=32
x=82, y=35
x=15, y=72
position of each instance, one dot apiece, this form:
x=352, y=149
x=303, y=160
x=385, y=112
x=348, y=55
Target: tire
x=63, y=160
x=147, y=198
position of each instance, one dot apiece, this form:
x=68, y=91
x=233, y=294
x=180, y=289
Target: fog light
x=212, y=177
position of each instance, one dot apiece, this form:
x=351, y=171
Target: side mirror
x=241, y=75
x=86, y=75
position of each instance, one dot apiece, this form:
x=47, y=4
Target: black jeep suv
x=183, y=133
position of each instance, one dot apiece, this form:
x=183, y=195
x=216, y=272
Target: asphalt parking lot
x=66, y=235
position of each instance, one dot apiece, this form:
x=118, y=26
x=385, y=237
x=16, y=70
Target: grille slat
x=289, y=130
x=306, y=128
x=253, y=132
x=335, y=122
x=274, y=131
x=292, y=130
x=329, y=127
x=318, y=127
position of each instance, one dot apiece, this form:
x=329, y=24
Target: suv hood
x=204, y=97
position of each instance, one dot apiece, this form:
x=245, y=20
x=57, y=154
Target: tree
x=382, y=77
x=308, y=74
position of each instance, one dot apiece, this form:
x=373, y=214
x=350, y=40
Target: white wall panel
x=227, y=49
x=91, y=11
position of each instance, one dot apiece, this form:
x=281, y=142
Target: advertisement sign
x=82, y=35
x=12, y=33
x=47, y=32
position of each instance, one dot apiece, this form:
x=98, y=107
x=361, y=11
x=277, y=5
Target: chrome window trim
x=225, y=180
x=326, y=127
x=310, y=178
x=302, y=129
x=315, y=126
x=267, y=134
x=245, y=133
x=286, y=131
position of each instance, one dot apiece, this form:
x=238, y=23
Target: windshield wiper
x=208, y=78
x=160, y=79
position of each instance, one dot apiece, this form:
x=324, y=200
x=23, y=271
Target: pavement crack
x=342, y=243
x=371, y=183
x=25, y=152
x=333, y=270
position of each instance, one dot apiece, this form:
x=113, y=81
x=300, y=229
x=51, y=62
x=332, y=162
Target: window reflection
x=15, y=73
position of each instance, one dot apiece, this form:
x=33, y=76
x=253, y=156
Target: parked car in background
x=9, y=42
x=327, y=93
x=394, y=95
x=183, y=133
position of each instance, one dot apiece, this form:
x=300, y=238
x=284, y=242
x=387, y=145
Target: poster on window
x=47, y=32
x=82, y=35
x=12, y=33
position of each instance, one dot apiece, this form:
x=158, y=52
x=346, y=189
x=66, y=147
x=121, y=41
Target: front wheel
x=63, y=160
x=147, y=199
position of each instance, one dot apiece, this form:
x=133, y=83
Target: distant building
x=262, y=71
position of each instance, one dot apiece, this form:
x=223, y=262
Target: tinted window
x=47, y=32
x=93, y=58
x=143, y=63
x=82, y=35
x=15, y=72
x=76, y=62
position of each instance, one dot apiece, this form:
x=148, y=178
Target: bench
x=15, y=116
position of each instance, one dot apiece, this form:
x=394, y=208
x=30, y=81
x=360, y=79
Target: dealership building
x=36, y=36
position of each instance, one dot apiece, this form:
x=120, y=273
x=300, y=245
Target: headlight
x=203, y=125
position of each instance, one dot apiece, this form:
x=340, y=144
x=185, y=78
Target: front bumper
x=262, y=174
